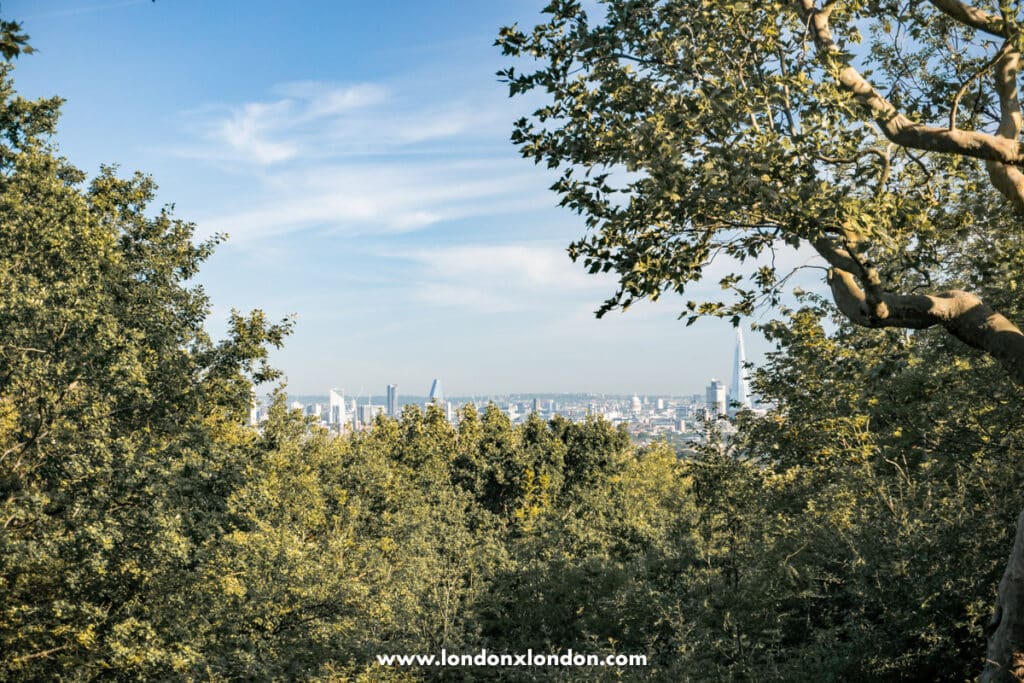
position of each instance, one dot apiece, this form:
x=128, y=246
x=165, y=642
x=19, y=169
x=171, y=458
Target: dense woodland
x=855, y=533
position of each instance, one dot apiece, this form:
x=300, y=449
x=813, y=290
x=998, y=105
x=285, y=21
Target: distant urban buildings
x=335, y=408
x=436, y=394
x=392, y=400
x=683, y=419
x=718, y=401
x=436, y=397
x=714, y=398
x=369, y=412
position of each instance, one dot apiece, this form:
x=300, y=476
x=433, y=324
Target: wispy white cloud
x=519, y=277
x=516, y=265
x=248, y=131
x=500, y=278
x=346, y=159
x=307, y=121
x=296, y=124
x=324, y=100
x=379, y=197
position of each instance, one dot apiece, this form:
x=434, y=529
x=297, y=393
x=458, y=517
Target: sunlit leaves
x=120, y=420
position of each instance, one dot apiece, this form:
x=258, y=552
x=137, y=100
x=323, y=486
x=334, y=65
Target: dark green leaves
x=13, y=42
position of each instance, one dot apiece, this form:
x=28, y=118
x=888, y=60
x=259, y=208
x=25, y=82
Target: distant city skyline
x=717, y=397
x=738, y=390
x=363, y=170
x=682, y=421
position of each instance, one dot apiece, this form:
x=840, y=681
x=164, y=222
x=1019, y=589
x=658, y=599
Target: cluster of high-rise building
x=340, y=414
x=680, y=417
x=718, y=401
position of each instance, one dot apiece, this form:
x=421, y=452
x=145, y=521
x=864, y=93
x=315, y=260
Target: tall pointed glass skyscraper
x=739, y=390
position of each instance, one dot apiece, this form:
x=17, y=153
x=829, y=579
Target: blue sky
x=357, y=154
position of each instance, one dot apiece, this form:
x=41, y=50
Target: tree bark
x=962, y=314
x=1004, y=660
x=972, y=16
x=1001, y=151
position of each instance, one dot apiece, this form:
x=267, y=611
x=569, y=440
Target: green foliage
x=878, y=512
x=824, y=542
x=856, y=532
x=686, y=131
x=119, y=414
x=847, y=535
x=13, y=42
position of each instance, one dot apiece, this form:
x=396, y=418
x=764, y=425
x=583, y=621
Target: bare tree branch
x=895, y=125
x=962, y=314
x=963, y=88
x=43, y=653
x=972, y=16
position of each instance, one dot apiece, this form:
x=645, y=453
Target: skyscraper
x=392, y=402
x=739, y=391
x=715, y=398
x=436, y=394
x=335, y=408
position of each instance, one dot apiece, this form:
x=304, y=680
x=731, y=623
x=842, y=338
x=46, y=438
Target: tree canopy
x=117, y=410
x=687, y=131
